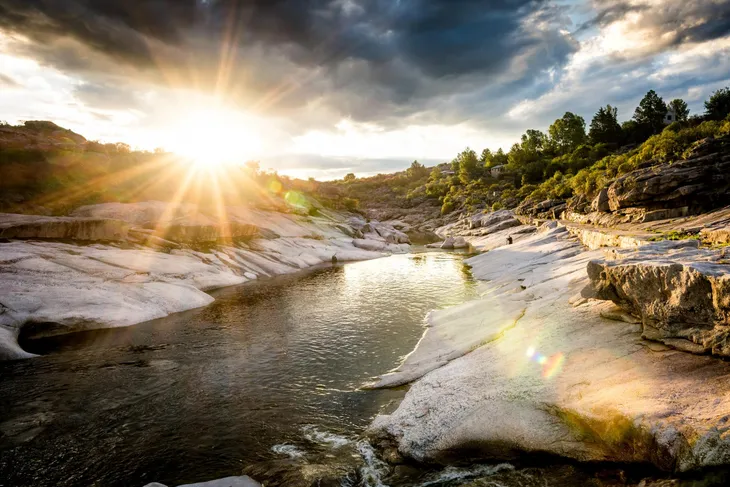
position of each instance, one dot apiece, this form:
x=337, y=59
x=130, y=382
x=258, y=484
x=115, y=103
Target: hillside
x=49, y=170
x=641, y=170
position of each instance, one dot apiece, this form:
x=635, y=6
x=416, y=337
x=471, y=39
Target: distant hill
x=47, y=169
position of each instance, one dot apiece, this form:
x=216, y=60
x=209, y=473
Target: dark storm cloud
x=362, y=58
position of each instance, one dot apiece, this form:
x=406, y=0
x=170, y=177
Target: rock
x=52, y=288
x=460, y=243
x=600, y=202
x=371, y=245
x=448, y=244
x=14, y=226
x=678, y=184
x=243, y=481
x=676, y=289
x=716, y=236
x=555, y=379
x=543, y=209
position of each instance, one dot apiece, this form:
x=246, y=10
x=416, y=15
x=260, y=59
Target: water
x=266, y=372
x=266, y=379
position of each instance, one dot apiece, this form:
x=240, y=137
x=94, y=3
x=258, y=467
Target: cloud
x=365, y=59
x=8, y=81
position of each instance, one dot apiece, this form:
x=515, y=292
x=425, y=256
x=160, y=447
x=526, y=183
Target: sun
x=211, y=138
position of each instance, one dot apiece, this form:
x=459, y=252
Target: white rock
x=561, y=380
x=244, y=481
x=81, y=287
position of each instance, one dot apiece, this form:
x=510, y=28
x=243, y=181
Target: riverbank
x=115, y=265
x=545, y=363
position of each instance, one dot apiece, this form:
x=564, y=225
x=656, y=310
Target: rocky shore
x=116, y=264
x=587, y=343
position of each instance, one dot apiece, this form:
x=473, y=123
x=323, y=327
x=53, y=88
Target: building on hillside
x=671, y=116
x=496, y=170
x=447, y=172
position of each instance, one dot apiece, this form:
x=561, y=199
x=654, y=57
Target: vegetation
x=563, y=163
x=45, y=168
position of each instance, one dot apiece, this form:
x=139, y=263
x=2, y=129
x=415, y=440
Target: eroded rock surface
x=680, y=292
x=558, y=378
x=52, y=287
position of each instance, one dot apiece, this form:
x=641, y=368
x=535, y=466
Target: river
x=266, y=379
x=201, y=394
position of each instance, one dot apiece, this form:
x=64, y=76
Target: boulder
x=460, y=243
x=13, y=226
x=679, y=291
x=368, y=244
x=448, y=244
x=243, y=481
x=600, y=202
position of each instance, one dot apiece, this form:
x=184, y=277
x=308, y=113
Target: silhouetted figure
x=509, y=240
x=334, y=259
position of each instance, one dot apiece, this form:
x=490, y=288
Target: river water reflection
x=202, y=394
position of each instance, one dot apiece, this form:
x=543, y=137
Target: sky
x=322, y=88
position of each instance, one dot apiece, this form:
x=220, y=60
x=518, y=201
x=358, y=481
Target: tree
x=718, y=106
x=651, y=112
x=349, y=177
x=499, y=158
x=469, y=167
x=604, y=126
x=634, y=132
x=486, y=158
x=679, y=107
x=416, y=171
x=568, y=132
x=533, y=142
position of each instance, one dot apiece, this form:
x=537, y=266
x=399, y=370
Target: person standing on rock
x=509, y=239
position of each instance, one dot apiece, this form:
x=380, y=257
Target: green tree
x=679, y=107
x=469, y=167
x=604, y=126
x=416, y=171
x=499, y=158
x=349, y=177
x=533, y=142
x=568, y=132
x=651, y=112
x=486, y=158
x=718, y=106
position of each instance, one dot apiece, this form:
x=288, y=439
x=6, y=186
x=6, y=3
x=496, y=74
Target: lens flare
x=553, y=366
x=550, y=365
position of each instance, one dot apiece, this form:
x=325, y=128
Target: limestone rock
x=677, y=289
